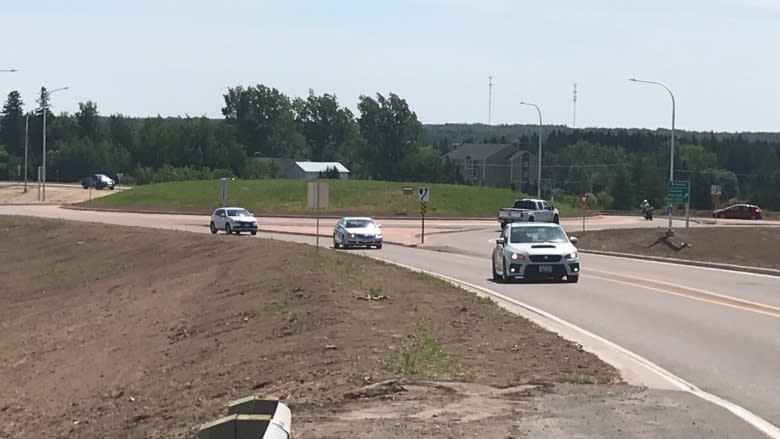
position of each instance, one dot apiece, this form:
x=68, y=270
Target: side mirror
x=500, y=241
x=378, y=226
x=574, y=240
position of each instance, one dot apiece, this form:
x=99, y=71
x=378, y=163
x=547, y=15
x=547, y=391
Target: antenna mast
x=574, y=116
x=490, y=99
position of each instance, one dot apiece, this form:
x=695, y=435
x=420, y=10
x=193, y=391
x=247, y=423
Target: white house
x=312, y=170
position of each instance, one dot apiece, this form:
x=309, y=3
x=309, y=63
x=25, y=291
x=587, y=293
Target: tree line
x=383, y=141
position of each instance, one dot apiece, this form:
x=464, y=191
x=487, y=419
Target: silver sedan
x=357, y=232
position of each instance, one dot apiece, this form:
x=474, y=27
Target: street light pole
x=539, y=160
x=26, y=142
x=671, y=160
x=45, y=107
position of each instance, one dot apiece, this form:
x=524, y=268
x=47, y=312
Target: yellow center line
x=697, y=290
x=688, y=296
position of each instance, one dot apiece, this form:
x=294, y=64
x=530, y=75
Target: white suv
x=233, y=220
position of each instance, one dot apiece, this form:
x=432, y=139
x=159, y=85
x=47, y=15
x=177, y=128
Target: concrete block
x=236, y=427
x=251, y=426
x=223, y=428
x=253, y=405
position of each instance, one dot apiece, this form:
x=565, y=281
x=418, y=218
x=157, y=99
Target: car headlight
x=352, y=235
x=379, y=235
x=572, y=255
x=518, y=256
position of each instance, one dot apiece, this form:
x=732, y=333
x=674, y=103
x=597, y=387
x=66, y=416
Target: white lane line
x=751, y=418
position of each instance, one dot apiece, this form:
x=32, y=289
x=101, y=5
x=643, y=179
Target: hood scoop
x=543, y=246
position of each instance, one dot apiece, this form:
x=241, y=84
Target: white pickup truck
x=528, y=210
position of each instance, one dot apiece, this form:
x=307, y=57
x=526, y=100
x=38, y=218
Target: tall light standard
x=45, y=106
x=539, y=159
x=671, y=160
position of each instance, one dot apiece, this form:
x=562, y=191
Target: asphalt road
x=716, y=329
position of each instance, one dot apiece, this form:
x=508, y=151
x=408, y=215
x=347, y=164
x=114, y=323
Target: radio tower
x=574, y=99
x=490, y=99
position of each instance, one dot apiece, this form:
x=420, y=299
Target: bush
x=146, y=175
x=331, y=172
x=605, y=200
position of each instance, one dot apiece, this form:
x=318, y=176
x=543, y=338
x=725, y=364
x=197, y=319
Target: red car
x=739, y=211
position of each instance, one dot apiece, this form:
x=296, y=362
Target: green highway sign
x=677, y=191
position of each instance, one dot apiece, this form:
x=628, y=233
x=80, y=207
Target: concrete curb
x=705, y=264
x=153, y=212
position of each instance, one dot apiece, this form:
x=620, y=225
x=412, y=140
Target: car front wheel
x=572, y=279
x=213, y=228
x=253, y=232
x=228, y=229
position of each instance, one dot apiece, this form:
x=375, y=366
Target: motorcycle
x=648, y=213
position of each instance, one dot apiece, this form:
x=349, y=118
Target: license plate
x=545, y=269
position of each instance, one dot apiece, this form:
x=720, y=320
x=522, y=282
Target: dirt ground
x=750, y=246
x=135, y=333
x=13, y=193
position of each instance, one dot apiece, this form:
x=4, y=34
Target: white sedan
x=535, y=251
x=357, y=231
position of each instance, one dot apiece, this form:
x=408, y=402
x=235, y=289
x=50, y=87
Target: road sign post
x=584, y=200
x=715, y=191
x=677, y=191
x=119, y=177
x=318, y=199
x=223, y=190
x=407, y=191
x=688, y=207
x=424, y=195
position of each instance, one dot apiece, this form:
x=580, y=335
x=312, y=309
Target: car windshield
x=238, y=212
x=358, y=224
x=525, y=235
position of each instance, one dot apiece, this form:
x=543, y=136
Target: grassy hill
x=290, y=197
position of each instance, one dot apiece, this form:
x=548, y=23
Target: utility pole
x=490, y=99
x=574, y=116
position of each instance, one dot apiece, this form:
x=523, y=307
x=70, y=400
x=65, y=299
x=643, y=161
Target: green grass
x=289, y=197
x=275, y=307
x=484, y=300
x=425, y=355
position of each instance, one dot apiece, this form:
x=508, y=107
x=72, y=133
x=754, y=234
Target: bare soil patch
x=13, y=193
x=750, y=246
x=125, y=332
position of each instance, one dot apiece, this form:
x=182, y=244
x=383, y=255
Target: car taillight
x=758, y=210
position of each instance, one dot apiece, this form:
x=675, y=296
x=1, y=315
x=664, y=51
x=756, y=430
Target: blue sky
x=720, y=57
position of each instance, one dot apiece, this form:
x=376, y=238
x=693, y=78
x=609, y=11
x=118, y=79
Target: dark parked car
x=739, y=211
x=98, y=181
